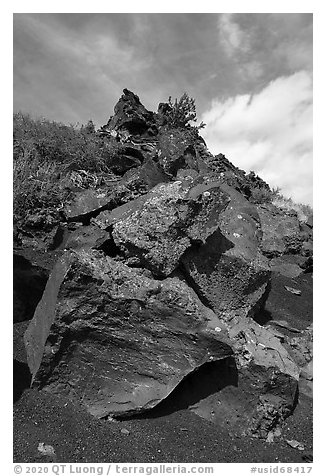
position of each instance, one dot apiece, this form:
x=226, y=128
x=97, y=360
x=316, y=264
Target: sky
x=250, y=74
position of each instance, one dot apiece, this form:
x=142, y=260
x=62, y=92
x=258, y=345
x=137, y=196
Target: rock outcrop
x=228, y=271
x=156, y=229
x=115, y=338
x=161, y=272
x=281, y=232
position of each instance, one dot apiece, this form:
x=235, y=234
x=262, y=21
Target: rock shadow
x=22, y=379
x=207, y=380
x=262, y=317
x=29, y=282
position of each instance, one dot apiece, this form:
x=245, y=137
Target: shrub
x=302, y=210
x=48, y=141
x=181, y=112
x=51, y=158
x=35, y=186
x=261, y=196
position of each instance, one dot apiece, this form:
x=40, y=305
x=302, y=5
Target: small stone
x=270, y=437
x=293, y=290
x=295, y=444
x=124, y=431
x=46, y=450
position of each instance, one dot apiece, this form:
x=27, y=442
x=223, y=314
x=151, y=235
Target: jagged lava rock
x=114, y=338
x=158, y=227
x=268, y=377
x=86, y=238
x=177, y=150
x=134, y=184
x=287, y=265
x=228, y=271
x=85, y=204
x=131, y=117
x=281, y=231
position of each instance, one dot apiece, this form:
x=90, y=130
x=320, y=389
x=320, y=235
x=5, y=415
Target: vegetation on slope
x=51, y=159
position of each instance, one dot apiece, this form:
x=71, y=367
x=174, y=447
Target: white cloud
x=269, y=132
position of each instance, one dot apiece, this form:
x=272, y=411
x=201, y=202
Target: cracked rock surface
x=163, y=273
x=115, y=338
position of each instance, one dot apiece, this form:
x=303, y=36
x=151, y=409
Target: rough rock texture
x=120, y=341
x=87, y=237
x=166, y=268
x=114, y=338
x=262, y=348
x=177, y=151
x=287, y=265
x=84, y=204
x=301, y=347
x=228, y=270
x=131, y=117
x=159, y=227
x=281, y=232
x=270, y=373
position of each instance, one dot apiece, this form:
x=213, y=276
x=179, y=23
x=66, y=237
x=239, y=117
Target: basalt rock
x=85, y=204
x=116, y=340
x=228, y=270
x=289, y=265
x=87, y=238
x=310, y=221
x=281, y=231
x=268, y=375
x=131, y=118
x=160, y=226
x=177, y=150
x=128, y=158
x=88, y=204
x=165, y=268
x=145, y=177
x=233, y=176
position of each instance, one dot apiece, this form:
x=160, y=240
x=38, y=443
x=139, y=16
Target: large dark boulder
x=177, y=150
x=269, y=373
x=126, y=158
x=289, y=265
x=144, y=178
x=86, y=204
x=281, y=231
x=116, y=340
x=228, y=271
x=157, y=228
x=161, y=272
